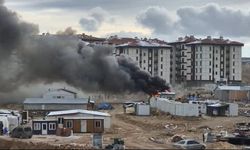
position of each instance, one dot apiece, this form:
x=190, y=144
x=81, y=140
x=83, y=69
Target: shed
x=232, y=93
x=142, y=109
x=54, y=100
x=82, y=121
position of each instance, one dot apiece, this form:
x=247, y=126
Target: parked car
x=189, y=144
x=21, y=132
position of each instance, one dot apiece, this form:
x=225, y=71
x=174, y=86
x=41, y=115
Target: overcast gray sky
x=164, y=19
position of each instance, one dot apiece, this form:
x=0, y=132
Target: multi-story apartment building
x=150, y=55
x=210, y=60
x=179, y=56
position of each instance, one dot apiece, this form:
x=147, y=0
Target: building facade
x=151, y=56
x=208, y=60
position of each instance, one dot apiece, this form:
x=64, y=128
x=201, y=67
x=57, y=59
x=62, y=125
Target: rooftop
x=215, y=41
x=145, y=43
x=77, y=111
x=55, y=101
x=234, y=88
x=186, y=39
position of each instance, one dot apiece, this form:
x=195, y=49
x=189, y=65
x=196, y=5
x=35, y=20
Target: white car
x=189, y=144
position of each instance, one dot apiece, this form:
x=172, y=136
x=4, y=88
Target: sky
x=163, y=19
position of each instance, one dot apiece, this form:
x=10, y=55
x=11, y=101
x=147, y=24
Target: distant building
x=151, y=55
x=179, y=57
x=245, y=60
x=60, y=99
x=207, y=60
x=233, y=93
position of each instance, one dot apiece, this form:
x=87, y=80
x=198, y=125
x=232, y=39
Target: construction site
x=158, y=130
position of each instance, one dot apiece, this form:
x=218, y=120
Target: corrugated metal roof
x=77, y=111
x=234, y=88
x=55, y=101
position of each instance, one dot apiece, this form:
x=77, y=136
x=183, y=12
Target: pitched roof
x=55, y=101
x=77, y=111
x=119, y=41
x=215, y=41
x=145, y=43
x=186, y=39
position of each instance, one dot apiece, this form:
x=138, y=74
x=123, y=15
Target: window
x=233, y=78
x=69, y=124
x=195, y=70
x=136, y=51
x=182, y=54
x=201, y=63
x=196, y=56
x=216, y=51
x=233, y=71
x=210, y=55
x=37, y=126
x=98, y=124
x=216, y=66
x=200, y=56
x=201, y=48
x=52, y=126
x=233, y=63
x=200, y=70
x=192, y=142
x=200, y=77
x=196, y=63
x=161, y=73
x=216, y=58
x=181, y=142
x=161, y=59
x=210, y=70
x=161, y=66
x=144, y=68
x=210, y=63
x=233, y=56
x=144, y=54
x=137, y=58
x=182, y=59
x=27, y=129
x=161, y=51
x=144, y=61
x=210, y=48
x=60, y=120
x=216, y=73
x=234, y=49
x=209, y=77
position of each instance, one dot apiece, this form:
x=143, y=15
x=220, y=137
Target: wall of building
x=154, y=60
x=59, y=94
x=175, y=108
x=54, y=106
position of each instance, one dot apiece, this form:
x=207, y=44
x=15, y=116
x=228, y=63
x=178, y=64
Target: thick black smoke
x=30, y=58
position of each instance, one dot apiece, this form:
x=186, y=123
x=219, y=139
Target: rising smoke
x=27, y=58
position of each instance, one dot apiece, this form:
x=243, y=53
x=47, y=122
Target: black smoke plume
x=30, y=58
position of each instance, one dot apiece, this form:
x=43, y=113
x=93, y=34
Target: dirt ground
x=138, y=132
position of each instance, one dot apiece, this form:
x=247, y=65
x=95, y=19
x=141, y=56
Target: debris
x=193, y=129
x=205, y=127
x=156, y=140
x=177, y=138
